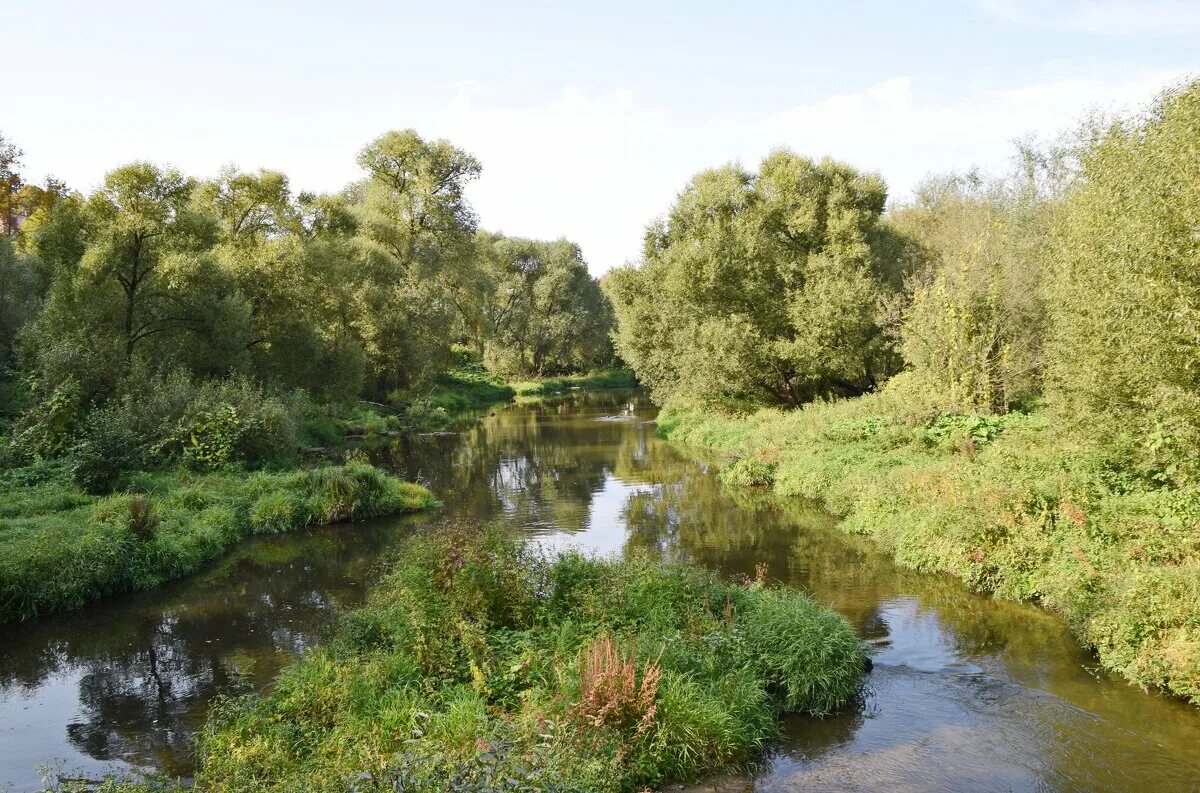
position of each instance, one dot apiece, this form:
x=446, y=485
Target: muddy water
x=966, y=693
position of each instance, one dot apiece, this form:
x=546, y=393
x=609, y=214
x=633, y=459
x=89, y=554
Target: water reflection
x=966, y=692
x=129, y=680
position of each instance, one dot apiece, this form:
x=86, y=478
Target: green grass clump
x=480, y=665
x=468, y=387
x=61, y=548
x=592, y=381
x=1009, y=504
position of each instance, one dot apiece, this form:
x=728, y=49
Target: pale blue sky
x=588, y=118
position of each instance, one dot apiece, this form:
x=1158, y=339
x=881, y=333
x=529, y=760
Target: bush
x=63, y=548
x=47, y=429
x=108, y=450
x=478, y=663
x=1125, y=292
x=233, y=421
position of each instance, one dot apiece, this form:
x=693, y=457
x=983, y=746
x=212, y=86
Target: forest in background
x=164, y=319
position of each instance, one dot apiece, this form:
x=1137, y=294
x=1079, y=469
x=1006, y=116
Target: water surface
x=966, y=693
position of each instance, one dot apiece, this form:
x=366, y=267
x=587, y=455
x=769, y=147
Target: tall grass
x=479, y=665
x=592, y=381
x=1008, y=504
x=61, y=548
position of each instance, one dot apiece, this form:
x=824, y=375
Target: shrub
x=479, y=664
x=1123, y=292
x=64, y=548
x=107, y=451
x=46, y=430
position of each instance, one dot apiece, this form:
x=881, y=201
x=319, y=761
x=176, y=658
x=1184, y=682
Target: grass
x=1006, y=503
x=592, y=381
x=61, y=548
x=468, y=387
x=472, y=387
x=480, y=665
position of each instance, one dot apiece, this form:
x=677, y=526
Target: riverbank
x=64, y=548
x=473, y=388
x=1006, y=503
x=479, y=660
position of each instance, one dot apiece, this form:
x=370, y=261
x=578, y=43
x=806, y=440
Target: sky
x=589, y=118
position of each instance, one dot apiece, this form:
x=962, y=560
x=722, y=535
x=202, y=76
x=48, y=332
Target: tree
x=544, y=312
x=416, y=231
x=10, y=185
x=973, y=324
x=141, y=229
x=1124, y=297
x=761, y=287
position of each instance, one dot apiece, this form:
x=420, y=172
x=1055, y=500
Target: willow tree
x=289, y=258
x=761, y=287
x=417, y=231
x=545, y=314
x=974, y=320
x=143, y=288
x=1123, y=356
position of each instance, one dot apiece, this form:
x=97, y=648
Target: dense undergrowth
x=481, y=665
x=63, y=547
x=1007, y=503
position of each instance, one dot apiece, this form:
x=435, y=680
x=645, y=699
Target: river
x=966, y=693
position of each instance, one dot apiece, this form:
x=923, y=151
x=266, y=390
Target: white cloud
x=889, y=128
x=1108, y=17
x=597, y=168
x=591, y=166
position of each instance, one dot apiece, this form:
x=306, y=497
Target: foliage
x=592, y=381
x=212, y=315
x=1011, y=504
x=762, y=288
x=544, y=313
x=1125, y=294
x=108, y=450
x=973, y=321
x=479, y=664
x=468, y=387
x=64, y=548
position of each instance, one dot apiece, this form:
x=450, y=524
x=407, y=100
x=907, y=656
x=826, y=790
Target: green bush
x=46, y=431
x=107, y=451
x=479, y=664
x=1124, y=292
x=62, y=548
x=231, y=422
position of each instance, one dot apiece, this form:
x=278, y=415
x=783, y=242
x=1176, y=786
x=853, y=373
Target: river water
x=966, y=693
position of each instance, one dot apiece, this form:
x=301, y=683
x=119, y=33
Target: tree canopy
x=762, y=287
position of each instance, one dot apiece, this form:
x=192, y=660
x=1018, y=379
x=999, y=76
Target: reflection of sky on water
x=604, y=531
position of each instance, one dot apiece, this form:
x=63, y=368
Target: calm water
x=966, y=693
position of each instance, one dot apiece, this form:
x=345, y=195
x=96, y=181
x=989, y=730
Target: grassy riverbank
x=472, y=388
x=478, y=661
x=1006, y=503
x=591, y=381
x=63, y=548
